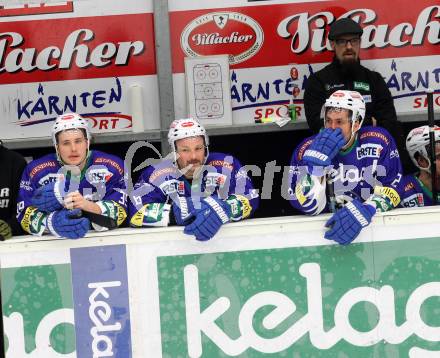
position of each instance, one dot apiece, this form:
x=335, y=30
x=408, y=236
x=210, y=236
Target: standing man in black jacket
x=345, y=72
x=11, y=166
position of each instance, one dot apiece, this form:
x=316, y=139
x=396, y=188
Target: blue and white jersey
x=221, y=176
x=414, y=193
x=369, y=169
x=101, y=181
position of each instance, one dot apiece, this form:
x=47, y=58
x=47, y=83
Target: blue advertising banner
x=100, y=296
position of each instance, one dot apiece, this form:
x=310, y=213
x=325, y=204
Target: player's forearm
x=91, y=207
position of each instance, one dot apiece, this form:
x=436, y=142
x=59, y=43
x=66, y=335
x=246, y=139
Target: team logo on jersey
x=369, y=151
x=413, y=201
x=49, y=178
x=214, y=33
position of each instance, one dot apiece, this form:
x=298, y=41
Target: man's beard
x=193, y=168
x=349, y=66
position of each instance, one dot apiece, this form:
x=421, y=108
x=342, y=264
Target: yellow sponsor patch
x=388, y=193
x=245, y=206
x=27, y=218
x=138, y=218
x=122, y=214
x=299, y=193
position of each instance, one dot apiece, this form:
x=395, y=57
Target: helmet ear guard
x=417, y=144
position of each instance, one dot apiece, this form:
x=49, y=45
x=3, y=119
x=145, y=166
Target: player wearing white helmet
x=56, y=189
x=416, y=189
x=197, y=189
x=361, y=164
x=71, y=127
x=189, y=143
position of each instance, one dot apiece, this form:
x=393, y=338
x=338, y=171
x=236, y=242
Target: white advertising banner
x=261, y=287
x=269, y=40
x=80, y=56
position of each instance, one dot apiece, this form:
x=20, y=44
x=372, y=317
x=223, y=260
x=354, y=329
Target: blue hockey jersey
x=370, y=168
x=222, y=176
x=414, y=193
x=101, y=181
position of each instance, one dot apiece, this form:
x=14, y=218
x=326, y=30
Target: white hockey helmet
x=68, y=121
x=351, y=100
x=417, y=144
x=185, y=128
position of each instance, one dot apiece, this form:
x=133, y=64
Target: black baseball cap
x=344, y=26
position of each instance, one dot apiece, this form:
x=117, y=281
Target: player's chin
x=197, y=170
x=73, y=160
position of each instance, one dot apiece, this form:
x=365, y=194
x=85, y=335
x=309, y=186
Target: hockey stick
x=331, y=192
x=100, y=220
x=431, y=123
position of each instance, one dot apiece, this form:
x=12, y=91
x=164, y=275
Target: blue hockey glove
x=324, y=147
x=48, y=198
x=68, y=223
x=183, y=210
x=213, y=213
x=346, y=224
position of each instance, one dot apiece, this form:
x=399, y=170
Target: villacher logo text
x=216, y=33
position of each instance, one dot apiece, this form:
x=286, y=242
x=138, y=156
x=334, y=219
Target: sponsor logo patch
x=361, y=86
x=368, y=151
x=414, y=200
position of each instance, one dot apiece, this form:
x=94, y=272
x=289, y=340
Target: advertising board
x=85, y=58
x=263, y=287
x=267, y=40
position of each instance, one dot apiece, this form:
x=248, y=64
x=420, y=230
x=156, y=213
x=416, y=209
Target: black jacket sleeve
x=314, y=99
x=18, y=165
x=384, y=110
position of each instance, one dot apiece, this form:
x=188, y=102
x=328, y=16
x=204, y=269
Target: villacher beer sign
x=239, y=35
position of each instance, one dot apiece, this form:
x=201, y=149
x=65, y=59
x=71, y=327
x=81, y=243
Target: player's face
x=72, y=147
x=346, y=48
x=190, y=154
x=437, y=161
x=340, y=118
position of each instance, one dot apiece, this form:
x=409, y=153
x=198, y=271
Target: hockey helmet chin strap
x=353, y=135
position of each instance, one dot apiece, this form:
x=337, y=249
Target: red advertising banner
x=33, y=9
x=279, y=34
x=77, y=48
